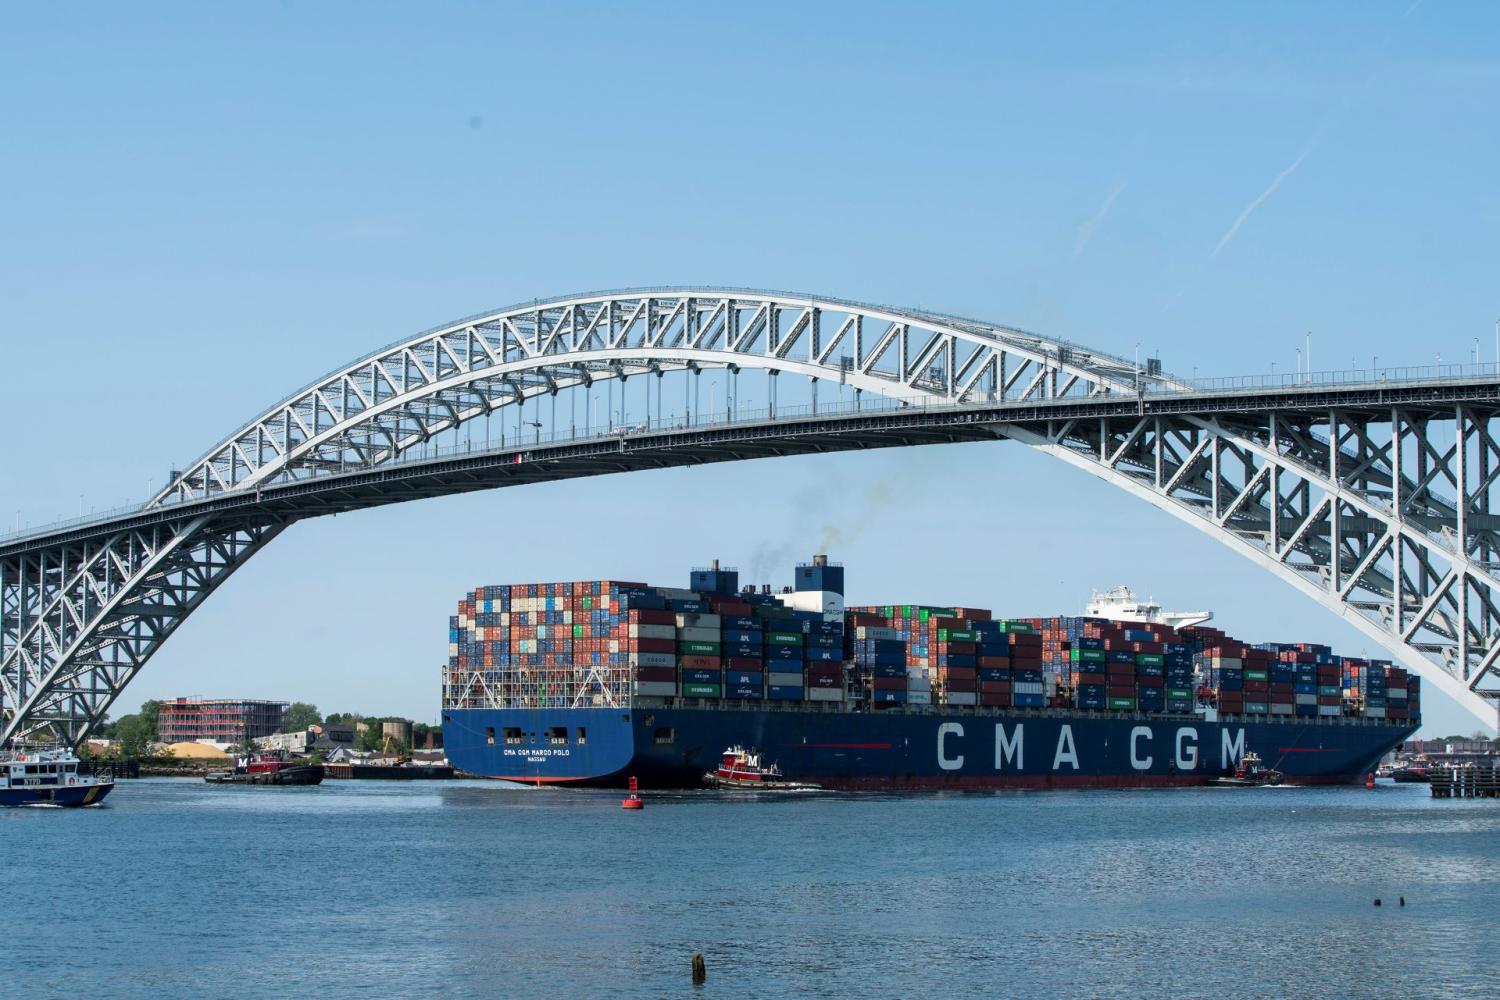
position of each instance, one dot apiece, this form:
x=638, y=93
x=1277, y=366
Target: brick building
x=223, y=720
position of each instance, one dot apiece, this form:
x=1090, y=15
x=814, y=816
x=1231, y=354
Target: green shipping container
x=1256, y=708
x=1255, y=675
x=702, y=691
x=578, y=631
x=588, y=603
x=1089, y=655
x=1179, y=693
x=1150, y=660
x=699, y=648
x=1126, y=704
x=921, y=615
x=783, y=638
x=1014, y=626
x=957, y=635
x=1330, y=690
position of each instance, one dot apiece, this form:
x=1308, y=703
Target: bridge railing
x=1375, y=375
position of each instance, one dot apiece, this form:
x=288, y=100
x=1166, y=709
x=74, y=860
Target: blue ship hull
x=673, y=747
x=50, y=795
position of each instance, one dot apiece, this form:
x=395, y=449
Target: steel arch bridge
x=1371, y=494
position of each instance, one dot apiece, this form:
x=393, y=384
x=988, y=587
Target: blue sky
x=207, y=206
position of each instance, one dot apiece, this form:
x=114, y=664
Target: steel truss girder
x=77, y=623
x=369, y=412
x=1383, y=515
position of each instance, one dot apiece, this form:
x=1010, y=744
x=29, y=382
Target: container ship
x=592, y=683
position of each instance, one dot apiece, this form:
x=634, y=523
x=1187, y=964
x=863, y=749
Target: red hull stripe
x=917, y=783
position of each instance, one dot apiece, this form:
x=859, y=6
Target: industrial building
x=223, y=720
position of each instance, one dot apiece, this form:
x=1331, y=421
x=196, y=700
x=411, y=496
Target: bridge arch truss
x=1375, y=500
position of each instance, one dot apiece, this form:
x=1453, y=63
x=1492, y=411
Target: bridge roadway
x=879, y=425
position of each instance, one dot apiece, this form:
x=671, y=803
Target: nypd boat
x=48, y=777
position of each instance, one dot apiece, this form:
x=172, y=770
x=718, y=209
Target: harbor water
x=376, y=889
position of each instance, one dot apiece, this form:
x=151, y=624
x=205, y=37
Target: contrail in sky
x=1086, y=231
x=1224, y=240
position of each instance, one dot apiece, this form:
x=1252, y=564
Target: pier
x=1468, y=782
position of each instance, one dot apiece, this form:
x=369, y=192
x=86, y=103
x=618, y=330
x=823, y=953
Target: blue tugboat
x=48, y=778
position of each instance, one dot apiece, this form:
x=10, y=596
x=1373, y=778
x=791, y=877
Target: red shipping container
x=1121, y=691
x=652, y=616
x=649, y=645
x=748, y=663
x=1257, y=686
x=953, y=649
x=1120, y=670
x=1151, y=682
x=994, y=687
x=994, y=700
x=1090, y=678
x=999, y=662
x=957, y=673
x=953, y=684
x=888, y=683
x=697, y=662
x=656, y=674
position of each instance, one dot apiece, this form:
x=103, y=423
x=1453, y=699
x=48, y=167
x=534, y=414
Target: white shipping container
x=1329, y=710
x=960, y=698
x=1396, y=694
x=875, y=632
x=918, y=684
x=1307, y=699
x=659, y=688
x=691, y=634
x=1283, y=709
x=638, y=631
x=1375, y=713
x=677, y=594
x=779, y=679
x=1230, y=662
x=919, y=697
x=651, y=659
x=452, y=649
x=614, y=645
x=1018, y=687
x=917, y=672
x=825, y=694
x=691, y=619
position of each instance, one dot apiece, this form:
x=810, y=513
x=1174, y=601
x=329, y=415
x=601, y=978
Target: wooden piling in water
x=1468, y=782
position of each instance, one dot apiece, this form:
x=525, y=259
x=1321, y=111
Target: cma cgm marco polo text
x=590, y=683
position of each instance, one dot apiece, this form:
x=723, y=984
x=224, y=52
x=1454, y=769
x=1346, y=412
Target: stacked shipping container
x=602, y=643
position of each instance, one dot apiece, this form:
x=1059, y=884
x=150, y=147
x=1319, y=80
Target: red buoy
x=633, y=800
x=1369, y=781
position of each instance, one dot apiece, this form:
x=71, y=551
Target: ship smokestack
x=821, y=559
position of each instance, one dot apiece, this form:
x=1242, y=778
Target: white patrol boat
x=48, y=777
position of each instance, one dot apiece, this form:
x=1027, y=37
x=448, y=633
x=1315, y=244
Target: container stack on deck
x=605, y=642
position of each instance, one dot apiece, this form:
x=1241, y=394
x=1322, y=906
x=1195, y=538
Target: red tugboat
x=1250, y=773
x=742, y=770
x=268, y=767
